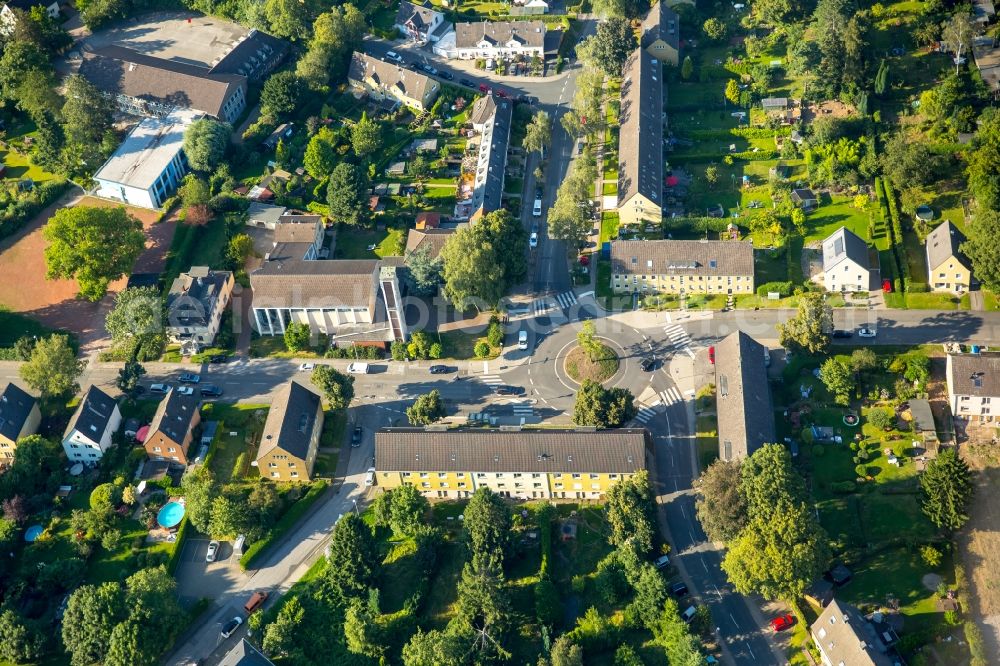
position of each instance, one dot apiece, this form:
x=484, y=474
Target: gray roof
x=291, y=421
x=264, y=212
x=944, y=242
x=923, y=417
x=245, y=654
x=254, y=56
x=661, y=22
x=174, y=415
x=149, y=148
x=776, y=103
x=844, y=244
x=192, y=298
x=974, y=374
x=491, y=166
x=529, y=34
x=432, y=240
x=15, y=408
x=743, y=397
x=93, y=415
x=675, y=257
x=287, y=280
x=118, y=70
x=389, y=75
x=483, y=109
x=640, y=136
x=420, y=15
x=562, y=451
x=845, y=637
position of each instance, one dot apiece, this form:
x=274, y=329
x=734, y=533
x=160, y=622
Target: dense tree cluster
x=484, y=260
x=602, y=407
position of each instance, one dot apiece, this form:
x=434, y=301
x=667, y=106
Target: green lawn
x=18, y=168
x=274, y=345
x=14, y=326
x=833, y=213
x=195, y=246
x=354, y=243
x=609, y=226
x=459, y=345
x=934, y=301
x=246, y=421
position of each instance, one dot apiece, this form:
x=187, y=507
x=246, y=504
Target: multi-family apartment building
x=682, y=267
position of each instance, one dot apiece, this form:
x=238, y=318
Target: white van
x=522, y=340
x=536, y=210
x=358, y=368
x=370, y=477
x=394, y=57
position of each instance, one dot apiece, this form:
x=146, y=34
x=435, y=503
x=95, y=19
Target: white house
x=89, y=432
x=419, y=22
x=846, y=264
x=974, y=386
x=499, y=39
x=149, y=164
x=8, y=17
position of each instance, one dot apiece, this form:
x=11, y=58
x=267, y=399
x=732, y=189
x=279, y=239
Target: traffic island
x=599, y=364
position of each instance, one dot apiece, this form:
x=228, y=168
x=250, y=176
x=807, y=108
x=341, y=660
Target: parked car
x=504, y=389
x=257, y=600
x=865, y=332
x=394, y=57
x=370, y=477
x=415, y=66
x=483, y=88
x=688, y=615
x=662, y=562
x=536, y=209
x=356, y=437
x=213, y=551
x=305, y=367
x=647, y=364
x=211, y=391
x=679, y=589
x=219, y=358
x=230, y=627
x=840, y=333
x=189, y=378
x=522, y=339
x=430, y=70
x=533, y=239
x=711, y=354
x=358, y=368
x=447, y=76
x=185, y=390
x=782, y=622
x=584, y=260
x=439, y=369
x=468, y=83
x=161, y=389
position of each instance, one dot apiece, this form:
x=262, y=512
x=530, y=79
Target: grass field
x=246, y=421
x=19, y=168
x=354, y=243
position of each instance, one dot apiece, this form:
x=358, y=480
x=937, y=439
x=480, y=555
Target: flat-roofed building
x=640, y=141
x=682, y=267
x=149, y=165
x=524, y=464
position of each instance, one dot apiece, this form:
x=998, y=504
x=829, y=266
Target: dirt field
x=23, y=287
x=979, y=542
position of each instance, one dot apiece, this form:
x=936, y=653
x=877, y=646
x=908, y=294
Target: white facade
x=487, y=49
x=272, y=321
x=89, y=447
x=7, y=18
x=848, y=275
x=973, y=392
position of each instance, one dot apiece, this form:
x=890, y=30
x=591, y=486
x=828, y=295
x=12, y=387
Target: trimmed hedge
x=175, y=556
x=741, y=132
x=700, y=224
x=746, y=156
x=28, y=204
x=284, y=524
x=783, y=288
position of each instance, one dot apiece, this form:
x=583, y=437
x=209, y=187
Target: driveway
x=197, y=579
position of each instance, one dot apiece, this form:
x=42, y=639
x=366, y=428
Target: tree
x=280, y=636
x=240, y=249
x=366, y=136
x=426, y=409
x=424, y=271
x=91, y=614
x=36, y=469
x=767, y=476
x=650, y=593
x=602, y=408
x=687, y=68
x=336, y=34
x=626, y=655
x=881, y=418
x=18, y=642
x=288, y=18
x=720, y=507
x=882, y=78
x=352, y=557
x=228, y=516
x=200, y=490
x=732, y=91
x=983, y=247
x=407, y=508
x=863, y=359
x=346, y=194
x=714, y=29
x=205, y=143
x=629, y=9
x=362, y=633
x=129, y=376
x=957, y=33
x=92, y=245
x=484, y=606
x=612, y=44
x=809, y=330
x=320, y=158
x=947, y=489
x=629, y=510
x=566, y=653
x=15, y=510
x=586, y=337
x=337, y=388
x=487, y=522
x=281, y=93
x=87, y=117
x=538, y=134
x=838, y=380
x=297, y=336
x=136, y=322
x=53, y=368
x=472, y=274
x=104, y=498
x=434, y=648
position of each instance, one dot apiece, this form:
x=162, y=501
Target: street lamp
x=356, y=506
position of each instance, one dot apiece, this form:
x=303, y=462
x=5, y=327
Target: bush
x=283, y=525
x=175, y=554
x=977, y=647
x=818, y=450
x=861, y=471
x=783, y=288
x=930, y=555
x=843, y=487
x=482, y=349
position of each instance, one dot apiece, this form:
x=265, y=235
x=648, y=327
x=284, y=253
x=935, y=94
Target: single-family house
x=499, y=39
x=742, y=396
x=89, y=432
x=524, y=464
x=427, y=220
x=640, y=141
x=149, y=164
x=419, y=22
x=387, y=80
x=805, y=199
x=974, y=386
x=986, y=54
x=846, y=262
x=10, y=8
x=172, y=428
x=843, y=636
x=245, y=654
x=984, y=11
x=682, y=267
x=661, y=34
x=195, y=304
x=19, y=417
x=947, y=268
x=290, y=439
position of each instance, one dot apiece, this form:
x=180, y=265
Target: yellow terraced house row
x=682, y=267
x=526, y=464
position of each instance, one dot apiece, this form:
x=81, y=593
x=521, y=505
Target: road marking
x=704, y=564
x=567, y=299
x=645, y=414
x=586, y=294
x=541, y=306
x=683, y=513
x=670, y=396
x=492, y=380
x=752, y=655
x=735, y=623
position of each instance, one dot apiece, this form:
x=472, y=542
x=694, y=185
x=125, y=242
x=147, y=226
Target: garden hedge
x=284, y=524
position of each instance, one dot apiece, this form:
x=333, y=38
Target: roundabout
x=598, y=365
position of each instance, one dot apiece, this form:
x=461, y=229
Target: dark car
x=447, y=76
x=356, y=437
x=211, y=390
x=647, y=364
x=415, y=66
x=229, y=627
x=679, y=589
x=503, y=389
x=189, y=378
x=219, y=358
x=439, y=369
x=538, y=193
x=468, y=83
x=840, y=333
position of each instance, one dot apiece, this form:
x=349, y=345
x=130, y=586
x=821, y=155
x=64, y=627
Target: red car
x=584, y=260
x=483, y=88
x=711, y=355
x=783, y=622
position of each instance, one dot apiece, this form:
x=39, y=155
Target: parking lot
x=197, y=578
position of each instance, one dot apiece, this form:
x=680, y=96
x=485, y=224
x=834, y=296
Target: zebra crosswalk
x=564, y=301
x=490, y=380
x=646, y=413
x=679, y=338
x=670, y=396
x=523, y=409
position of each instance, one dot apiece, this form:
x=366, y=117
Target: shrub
x=843, y=487
x=783, y=288
x=861, y=471
x=818, y=450
x=482, y=349
x=952, y=619
x=930, y=555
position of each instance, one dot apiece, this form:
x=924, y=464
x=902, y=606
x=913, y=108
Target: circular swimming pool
x=32, y=533
x=170, y=515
